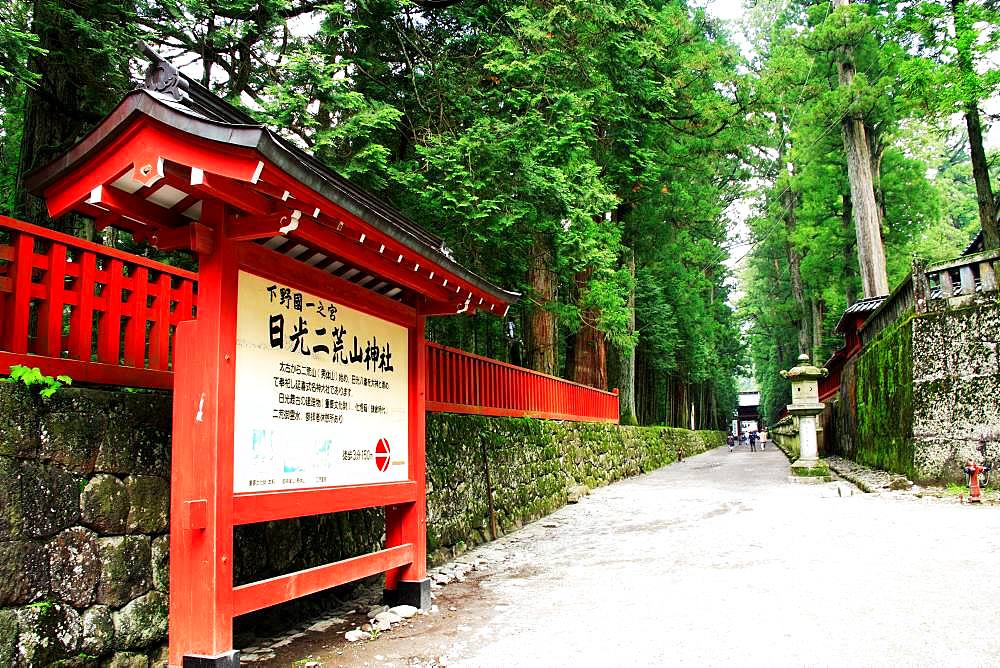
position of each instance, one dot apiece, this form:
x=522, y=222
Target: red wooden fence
x=460, y=382
x=88, y=311
x=103, y=316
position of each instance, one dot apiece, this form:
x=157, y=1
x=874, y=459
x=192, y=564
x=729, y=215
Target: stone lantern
x=806, y=406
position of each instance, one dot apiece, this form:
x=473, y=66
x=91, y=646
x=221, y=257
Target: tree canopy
x=588, y=154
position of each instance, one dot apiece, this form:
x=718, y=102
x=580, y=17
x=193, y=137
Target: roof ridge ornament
x=162, y=77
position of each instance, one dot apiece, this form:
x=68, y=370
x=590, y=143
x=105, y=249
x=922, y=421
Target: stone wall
x=916, y=400
x=84, y=496
x=885, y=400
x=956, y=385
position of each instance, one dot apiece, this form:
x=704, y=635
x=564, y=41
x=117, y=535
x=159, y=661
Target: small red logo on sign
x=382, y=455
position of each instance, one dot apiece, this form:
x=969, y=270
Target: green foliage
x=33, y=378
x=884, y=373
x=612, y=129
x=923, y=178
x=821, y=471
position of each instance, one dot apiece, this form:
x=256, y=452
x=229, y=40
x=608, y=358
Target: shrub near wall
x=884, y=395
x=84, y=497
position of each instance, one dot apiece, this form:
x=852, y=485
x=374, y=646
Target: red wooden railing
x=460, y=382
x=103, y=316
x=91, y=312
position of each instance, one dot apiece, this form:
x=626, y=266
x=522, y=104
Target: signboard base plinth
x=230, y=659
x=410, y=592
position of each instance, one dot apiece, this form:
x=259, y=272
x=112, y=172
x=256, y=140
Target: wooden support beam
x=129, y=206
x=380, y=264
x=249, y=228
x=192, y=236
x=280, y=505
x=195, y=180
x=257, y=595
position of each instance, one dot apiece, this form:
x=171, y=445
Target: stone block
x=127, y=660
x=104, y=504
x=18, y=421
x=74, y=566
x=72, y=429
x=158, y=658
x=141, y=623
x=126, y=570
x=98, y=630
x=137, y=440
x=48, y=500
x=10, y=498
x=9, y=632
x=160, y=553
x=149, y=503
x=24, y=573
x=48, y=633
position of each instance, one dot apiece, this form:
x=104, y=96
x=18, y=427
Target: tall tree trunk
x=590, y=359
x=626, y=358
x=73, y=93
x=876, y=151
x=980, y=167
x=541, y=331
x=981, y=175
x=801, y=320
x=871, y=254
x=847, y=222
x=817, y=330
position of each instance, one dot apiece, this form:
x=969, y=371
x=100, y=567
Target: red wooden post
x=159, y=331
x=135, y=328
x=110, y=325
x=50, y=316
x=24, y=251
x=81, y=329
x=201, y=499
x=407, y=522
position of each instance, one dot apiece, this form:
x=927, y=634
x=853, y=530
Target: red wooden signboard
x=299, y=389
x=205, y=505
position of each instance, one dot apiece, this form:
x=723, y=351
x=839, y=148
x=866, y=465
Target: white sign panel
x=322, y=392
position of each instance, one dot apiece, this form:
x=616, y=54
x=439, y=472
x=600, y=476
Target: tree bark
x=871, y=254
x=981, y=175
x=626, y=358
x=846, y=219
x=541, y=322
x=801, y=322
x=817, y=330
x=590, y=359
x=980, y=167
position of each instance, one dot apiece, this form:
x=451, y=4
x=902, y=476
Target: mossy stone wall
x=919, y=397
x=956, y=385
x=84, y=500
x=884, y=398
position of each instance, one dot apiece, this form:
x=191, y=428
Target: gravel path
x=721, y=560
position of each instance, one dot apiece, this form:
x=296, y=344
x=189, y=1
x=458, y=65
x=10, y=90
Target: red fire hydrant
x=973, y=470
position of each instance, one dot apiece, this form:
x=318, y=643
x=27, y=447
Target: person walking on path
x=753, y=441
x=730, y=441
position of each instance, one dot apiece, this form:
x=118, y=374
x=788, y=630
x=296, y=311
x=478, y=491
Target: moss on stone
x=884, y=386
